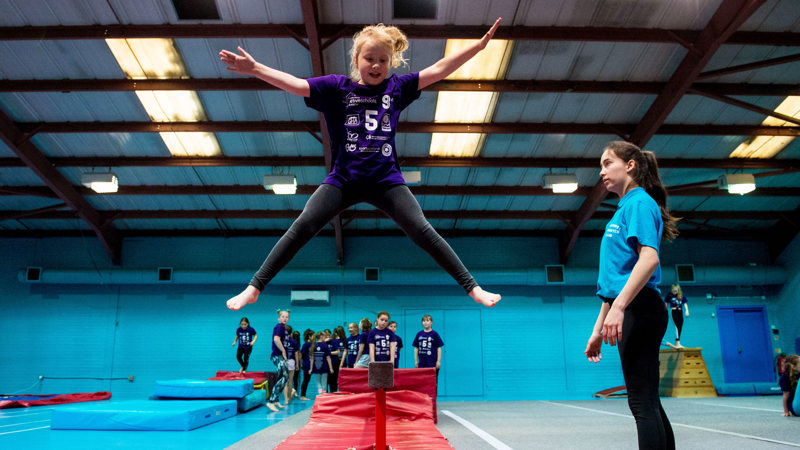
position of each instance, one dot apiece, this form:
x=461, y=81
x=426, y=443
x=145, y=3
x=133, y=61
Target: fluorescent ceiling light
x=469, y=107
x=560, y=183
x=740, y=183
x=769, y=146
x=280, y=184
x=159, y=59
x=102, y=183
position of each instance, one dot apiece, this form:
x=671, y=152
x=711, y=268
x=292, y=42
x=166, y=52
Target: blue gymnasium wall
x=531, y=344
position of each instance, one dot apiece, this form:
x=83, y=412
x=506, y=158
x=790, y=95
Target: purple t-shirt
x=428, y=342
x=291, y=347
x=245, y=336
x=280, y=331
x=321, y=350
x=306, y=358
x=382, y=340
x=362, y=122
x=352, y=349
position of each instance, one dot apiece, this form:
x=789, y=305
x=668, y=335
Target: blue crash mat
x=252, y=400
x=186, y=388
x=142, y=415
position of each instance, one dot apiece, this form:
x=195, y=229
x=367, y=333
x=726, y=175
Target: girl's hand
x=488, y=36
x=243, y=63
x=592, y=351
x=612, y=326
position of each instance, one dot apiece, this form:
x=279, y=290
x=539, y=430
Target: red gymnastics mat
x=347, y=421
x=24, y=401
x=417, y=380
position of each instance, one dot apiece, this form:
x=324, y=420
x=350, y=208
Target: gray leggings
x=396, y=201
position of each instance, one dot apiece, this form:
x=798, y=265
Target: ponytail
x=645, y=174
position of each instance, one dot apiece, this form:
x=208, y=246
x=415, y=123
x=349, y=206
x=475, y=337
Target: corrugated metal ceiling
x=586, y=73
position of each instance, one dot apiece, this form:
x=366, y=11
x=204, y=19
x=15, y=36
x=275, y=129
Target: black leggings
x=643, y=328
x=306, y=379
x=396, y=201
x=243, y=356
x=677, y=317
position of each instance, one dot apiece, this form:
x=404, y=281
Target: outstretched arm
x=449, y=64
x=244, y=64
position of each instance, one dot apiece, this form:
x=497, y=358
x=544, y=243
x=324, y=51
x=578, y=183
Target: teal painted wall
x=530, y=346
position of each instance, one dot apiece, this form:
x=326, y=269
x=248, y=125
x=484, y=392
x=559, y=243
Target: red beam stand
x=380, y=419
x=380, y=377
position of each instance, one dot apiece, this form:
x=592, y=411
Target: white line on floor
x=729, y=433
x=23, y=423
x=739, y=407
x=20, y=431
x=493, y=441
x=738, y=435
x=627, y=416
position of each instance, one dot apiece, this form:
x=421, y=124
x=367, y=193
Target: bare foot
x=305, y=399
x=671, y=345
x=249, y=295
x=272, y=407
x=279, y=405
x=483, y=297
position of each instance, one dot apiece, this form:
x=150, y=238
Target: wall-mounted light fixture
x=560, y=183
x=412, y=176
x=100, y=182
x=737, y=183
x=280, y=184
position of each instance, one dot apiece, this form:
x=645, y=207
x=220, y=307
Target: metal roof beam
x=311, y=21
x=351, y=214
x=424, y=161
x=254, y=84
x=20, y=144
x=620, y=129
x=730, y=15
x=330, y=32
x=695, y=190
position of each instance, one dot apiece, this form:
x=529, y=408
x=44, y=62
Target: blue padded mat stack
x=240, y=390
x=142, y=415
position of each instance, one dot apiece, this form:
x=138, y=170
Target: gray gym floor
x=698, y=423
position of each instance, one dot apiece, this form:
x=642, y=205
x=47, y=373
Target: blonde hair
x=390, y=36
x=283, y=311
x=677, y=287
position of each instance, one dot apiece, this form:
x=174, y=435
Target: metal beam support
x=424, y=161
x=730, y=15
x=21, y=145
x=333, y=31
x=311, y=21
x=621, y=129
x=531, y=86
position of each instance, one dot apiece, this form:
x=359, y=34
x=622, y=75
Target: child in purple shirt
x=381, y=340
x=361, y=113
x=428, y=346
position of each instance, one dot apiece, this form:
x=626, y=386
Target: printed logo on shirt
x=350, y=147
x=371, y=137
x=385, y=125
x=369, y=149
x=612, y=230
x=352, y=120
x=352, y=99
x=352, y=136
x=386, y=149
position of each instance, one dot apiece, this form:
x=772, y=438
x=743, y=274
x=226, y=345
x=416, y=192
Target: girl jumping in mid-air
x=361, y=113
